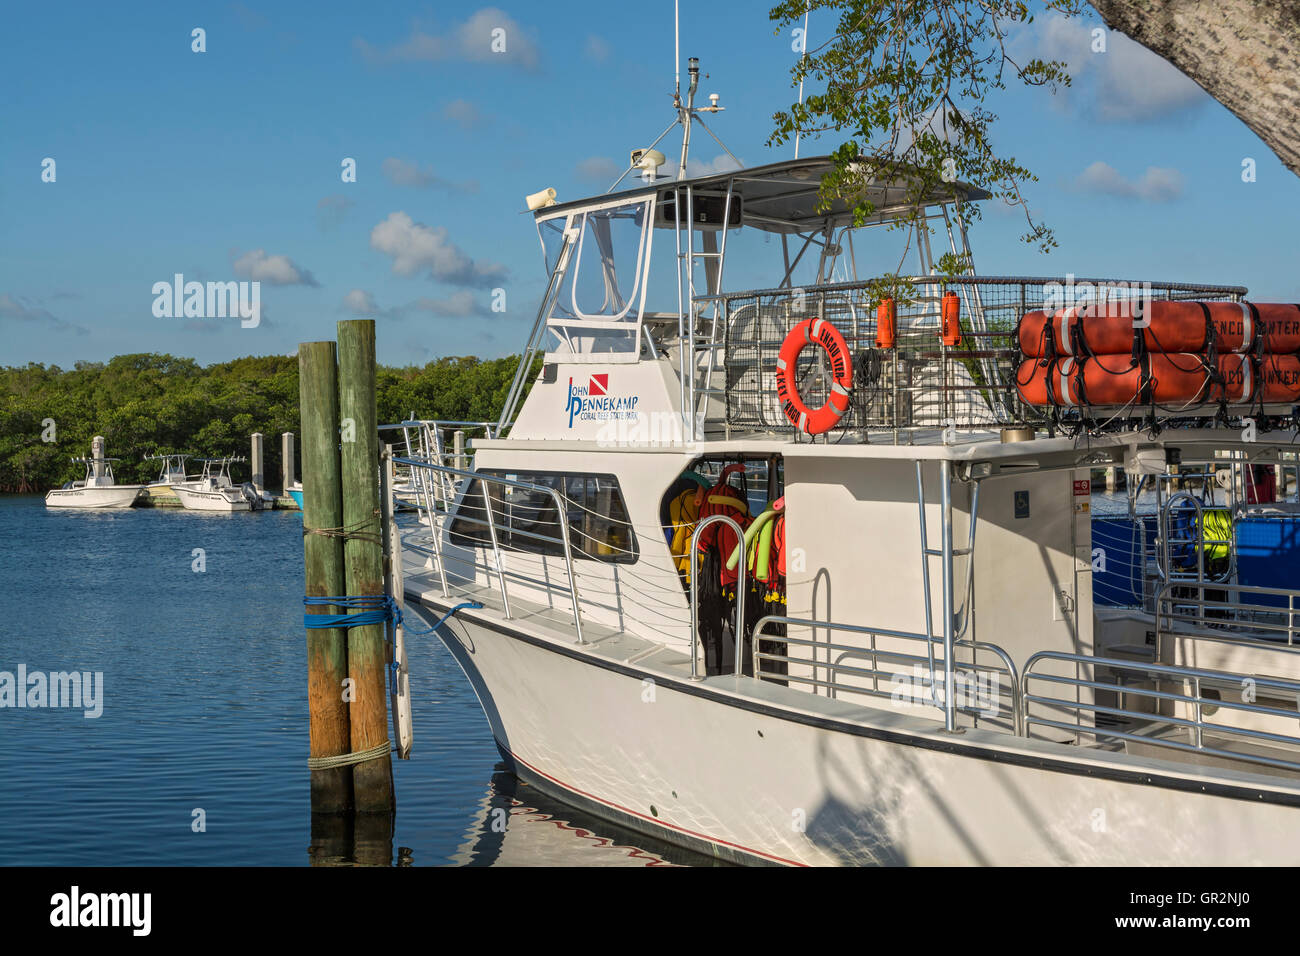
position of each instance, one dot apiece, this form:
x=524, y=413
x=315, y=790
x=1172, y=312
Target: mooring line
x=344, y=760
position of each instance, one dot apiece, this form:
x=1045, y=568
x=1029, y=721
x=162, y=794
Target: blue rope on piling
x=371, y=609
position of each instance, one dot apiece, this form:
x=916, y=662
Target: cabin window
x=607, y=266
x=526, y=519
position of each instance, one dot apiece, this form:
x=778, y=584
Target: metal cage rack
x=921, y=383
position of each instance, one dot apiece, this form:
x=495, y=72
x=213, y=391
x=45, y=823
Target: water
x=204, y=709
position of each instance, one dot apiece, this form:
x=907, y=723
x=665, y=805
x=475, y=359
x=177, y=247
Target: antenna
x=677, y=50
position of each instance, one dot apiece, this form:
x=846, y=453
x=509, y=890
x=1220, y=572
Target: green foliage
x=152, y=404
x=909, y=81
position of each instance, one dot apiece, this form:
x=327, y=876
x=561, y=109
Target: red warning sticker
x=1083, y=487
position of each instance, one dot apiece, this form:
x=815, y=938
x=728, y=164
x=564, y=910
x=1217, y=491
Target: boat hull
x=122, y=496
x=210, y=500
x=708, y=766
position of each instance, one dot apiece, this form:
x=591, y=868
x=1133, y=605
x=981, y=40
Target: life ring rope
x=822, y=333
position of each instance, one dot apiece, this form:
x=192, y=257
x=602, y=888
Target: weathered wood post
x=363, y=562
x=322, y=507
x=255, y=459
x=287, y=468
x=458, y=445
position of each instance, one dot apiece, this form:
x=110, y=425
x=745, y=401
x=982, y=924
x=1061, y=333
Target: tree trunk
x=1244, y=53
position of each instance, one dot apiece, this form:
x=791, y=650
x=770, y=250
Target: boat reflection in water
x=513, y=825
x=516, y=825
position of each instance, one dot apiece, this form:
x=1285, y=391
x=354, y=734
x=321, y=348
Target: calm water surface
x=205, y=708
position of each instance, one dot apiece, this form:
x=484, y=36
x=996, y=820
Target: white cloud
x=1157, y=184
x=276, y=270
x=695, y=167
x=457, y=305
x=478, y=40
x=463, y=113
x=332, y=210
x=416, y=248
x=599, y=168
x=22, y=309
x=1125, y=83
x=597, y=48
x=406, y=172
x=360, y=302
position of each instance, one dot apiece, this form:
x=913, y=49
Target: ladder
x=702, y=323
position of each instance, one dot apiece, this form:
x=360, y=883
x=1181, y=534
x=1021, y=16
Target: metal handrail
x=1197, y=725
x=1017, y=708
x=1191, y=287
x=497, y=562
x=1167, y=599
x=739, y=630
x=1198, y=541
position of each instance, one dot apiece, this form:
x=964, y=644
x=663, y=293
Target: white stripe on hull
x=760, y=784
x=97, y=498
x=209, y=501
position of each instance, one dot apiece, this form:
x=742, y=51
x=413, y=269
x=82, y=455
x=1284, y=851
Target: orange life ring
x=804, y=334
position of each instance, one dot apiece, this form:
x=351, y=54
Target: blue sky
x=225, y=165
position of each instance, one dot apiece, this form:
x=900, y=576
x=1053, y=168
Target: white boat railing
x=833, y=668
x=426, y=440
x=436, y=513
x=1205, y=695
x=1229, y=613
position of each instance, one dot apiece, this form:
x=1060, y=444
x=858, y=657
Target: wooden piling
x=322, y=507
x=287, y=469
x=363, y=560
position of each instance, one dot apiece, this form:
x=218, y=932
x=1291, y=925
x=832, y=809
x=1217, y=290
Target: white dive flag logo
x=76, y=909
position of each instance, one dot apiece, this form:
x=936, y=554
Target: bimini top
x=782, y=197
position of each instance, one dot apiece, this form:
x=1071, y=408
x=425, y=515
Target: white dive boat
x=924, y=676
x=97, y=490
x=172, y=473
x=214, y=491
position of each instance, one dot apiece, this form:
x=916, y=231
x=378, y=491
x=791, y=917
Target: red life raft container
x=1114, y=380
x=1110, y=328
x=1179, y=379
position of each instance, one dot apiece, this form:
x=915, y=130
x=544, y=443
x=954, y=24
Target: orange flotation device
x=722, y=498
x=822, y=333
x=1120, y=328
x=1174, y=379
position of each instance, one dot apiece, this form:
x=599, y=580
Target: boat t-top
x=172, y=472
x=214, y=491
x=798, y=567
x=97, y=490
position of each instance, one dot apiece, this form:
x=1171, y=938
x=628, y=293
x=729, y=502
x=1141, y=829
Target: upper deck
x=706, y=368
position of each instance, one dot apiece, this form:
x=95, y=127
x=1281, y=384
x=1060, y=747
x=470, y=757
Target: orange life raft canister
x=1163, y=379
x=1109, y=328
x=806, y=333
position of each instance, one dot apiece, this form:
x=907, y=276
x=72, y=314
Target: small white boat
x=214, y=491
x=98, y=490
x=172, y=473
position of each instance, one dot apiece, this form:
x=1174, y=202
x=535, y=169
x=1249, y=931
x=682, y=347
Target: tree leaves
x=152, y=404
x=910, y=82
